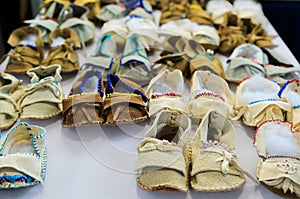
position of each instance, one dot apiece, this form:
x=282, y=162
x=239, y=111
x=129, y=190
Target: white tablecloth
x=98, y=162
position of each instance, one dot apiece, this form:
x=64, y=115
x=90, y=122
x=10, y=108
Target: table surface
x=98, y=162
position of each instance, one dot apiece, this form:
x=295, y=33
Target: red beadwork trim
x=246, y=78
x=275, y=156
x=254, y=60
x=22, y=180
x=294, y=80
x=243, y=80
x=165, y=95
x=209, y=94
x=266, y=65
x=49, y=18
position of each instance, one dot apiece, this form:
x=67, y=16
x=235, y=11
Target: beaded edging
x=27, y=180
x=154, y=96
x=209, y=94
x=110, y=90
x=264, y=100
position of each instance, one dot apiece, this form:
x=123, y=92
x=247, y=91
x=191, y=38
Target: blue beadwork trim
x=133, y=60
x=29, y=181
x=99, y=86
x=274, y=81
x=98, y=66
x=33, y=141
x=16, y=178
x=110, y=90
x=103, y=39
x=296, y=106
x=131, y=5
x=35, y=138
x=205, y=55
x=85, y=79
x=283, y=88
x=45, y=79
x=74, y=48
x=265, y=100
x=28, y=45
x=4, y=93
x=132, y=17
x=44, y=164
x=143, y=6
x=133, y=48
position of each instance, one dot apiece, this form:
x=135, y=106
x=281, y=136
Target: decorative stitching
x=209, y=94
x=154, y=96
x=23, y=178
x=110, y=95
x=264, y=100
x=287, y=167
x=85, y=79
x=296, y=106
x=214, y=143
x=15, y=178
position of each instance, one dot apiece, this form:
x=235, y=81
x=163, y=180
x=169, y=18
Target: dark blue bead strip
x=124, y=85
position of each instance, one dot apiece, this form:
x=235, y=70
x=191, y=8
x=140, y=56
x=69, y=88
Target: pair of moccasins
x=91, y=102
x=206, y=35
x=249, y=59
x=65, y=14
x=237, y=32
x=242, y=9
x=208, y=92
x=188, y=56
x=190, y=9
x=23, y=157
x=121, y=9
x=39, y=100
x=172, y=158
x=93, y=6
x=239, y=23
x=124, y=47
x=28, y=50
x=277, y=145
x=132, y=64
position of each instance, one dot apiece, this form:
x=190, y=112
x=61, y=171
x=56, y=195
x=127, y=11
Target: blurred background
x=285, y=18
x=284, y=15
x=12, y=15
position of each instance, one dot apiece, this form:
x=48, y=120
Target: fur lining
x=292, y=97
x=259, y=88
x=280, y=141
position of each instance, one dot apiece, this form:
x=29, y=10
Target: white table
x=98, y=162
